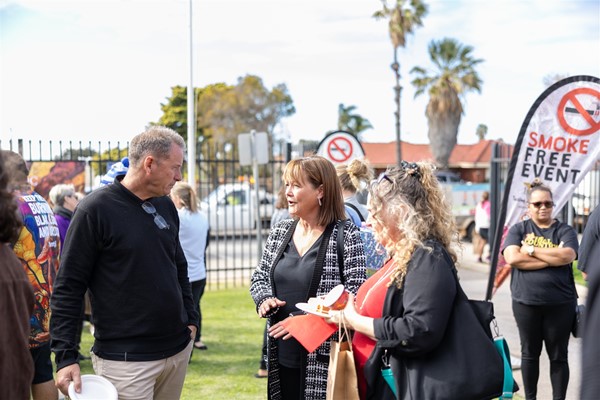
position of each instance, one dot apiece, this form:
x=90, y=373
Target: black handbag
x=577, y=328
x=468, y=364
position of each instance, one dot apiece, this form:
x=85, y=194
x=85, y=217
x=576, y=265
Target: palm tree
x=481, y=131
x=453, y=77
x=403, y=18
x=351, y=122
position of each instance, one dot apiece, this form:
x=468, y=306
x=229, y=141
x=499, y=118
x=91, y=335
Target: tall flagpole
x=191, y=116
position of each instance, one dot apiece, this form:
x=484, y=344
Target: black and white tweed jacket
x=261, y=287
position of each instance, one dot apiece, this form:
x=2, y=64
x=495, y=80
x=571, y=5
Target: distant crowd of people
x=130, y=258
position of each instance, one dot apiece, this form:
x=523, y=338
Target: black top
x=590, y=239
x=550, y=285
x=136, y=274
x=292, y=276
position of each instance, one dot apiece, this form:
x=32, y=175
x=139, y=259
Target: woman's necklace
x=381, y=279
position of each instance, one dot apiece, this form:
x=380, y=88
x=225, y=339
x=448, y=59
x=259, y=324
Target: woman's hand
x=269, y=304
x=278, y=330
x=348, y=314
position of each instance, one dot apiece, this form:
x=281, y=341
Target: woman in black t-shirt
x=541, y=251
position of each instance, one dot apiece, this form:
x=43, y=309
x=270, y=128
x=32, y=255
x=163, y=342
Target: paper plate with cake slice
x=316, y=309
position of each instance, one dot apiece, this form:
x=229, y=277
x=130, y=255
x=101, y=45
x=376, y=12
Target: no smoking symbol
x=339, y=149
x=583, y=105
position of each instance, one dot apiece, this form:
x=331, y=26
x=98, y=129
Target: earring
x=320, y=204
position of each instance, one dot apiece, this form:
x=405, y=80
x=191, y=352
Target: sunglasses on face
x=539, y=204
x=158, y=219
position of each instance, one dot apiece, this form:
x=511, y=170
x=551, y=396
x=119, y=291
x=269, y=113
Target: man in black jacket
x=123, y=245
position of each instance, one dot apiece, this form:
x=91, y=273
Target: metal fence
x=235, y=243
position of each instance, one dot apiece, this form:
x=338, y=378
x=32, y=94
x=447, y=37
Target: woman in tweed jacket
x=300, y=261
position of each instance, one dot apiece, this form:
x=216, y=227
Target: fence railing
x=234, y=248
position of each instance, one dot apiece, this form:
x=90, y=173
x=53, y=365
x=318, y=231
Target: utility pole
x=397, y=89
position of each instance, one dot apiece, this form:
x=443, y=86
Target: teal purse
x=500, y=344
x=502, y=347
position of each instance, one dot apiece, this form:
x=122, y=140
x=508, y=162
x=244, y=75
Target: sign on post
x=254, y=150
x=340, y=147
x=259, y=146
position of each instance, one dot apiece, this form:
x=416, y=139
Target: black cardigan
x=414, y=319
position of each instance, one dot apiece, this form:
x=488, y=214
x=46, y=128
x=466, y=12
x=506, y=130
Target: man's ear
x=148, y=163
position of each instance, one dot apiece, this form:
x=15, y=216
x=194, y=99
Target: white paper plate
x=311, y=309
x=94, y=387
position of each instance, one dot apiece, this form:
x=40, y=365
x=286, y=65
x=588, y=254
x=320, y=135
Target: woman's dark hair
x=10, y=220
x=538, y=185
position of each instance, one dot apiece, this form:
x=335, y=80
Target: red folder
x=311, y=331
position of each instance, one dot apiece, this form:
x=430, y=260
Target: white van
x=231, y=208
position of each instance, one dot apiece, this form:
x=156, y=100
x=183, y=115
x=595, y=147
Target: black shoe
x=200, y=346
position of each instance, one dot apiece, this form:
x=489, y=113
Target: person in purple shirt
x=64, y=199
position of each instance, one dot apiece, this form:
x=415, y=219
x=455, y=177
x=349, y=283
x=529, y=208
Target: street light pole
x=191, y=116
x=397, y=89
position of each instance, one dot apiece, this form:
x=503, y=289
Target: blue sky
x=95, y=70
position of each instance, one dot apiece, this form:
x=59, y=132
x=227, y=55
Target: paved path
x=474, y=278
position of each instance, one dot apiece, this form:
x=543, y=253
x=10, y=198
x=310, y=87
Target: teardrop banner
x=558, y=144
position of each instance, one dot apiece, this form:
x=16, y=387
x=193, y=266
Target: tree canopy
x=223, y=111
x=350, y=121
x=453, y=75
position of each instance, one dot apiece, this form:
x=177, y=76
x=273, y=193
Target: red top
x=369, y=303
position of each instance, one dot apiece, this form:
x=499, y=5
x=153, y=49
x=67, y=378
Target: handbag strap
x=340, y=248
x=507, y=386
x=342, y=328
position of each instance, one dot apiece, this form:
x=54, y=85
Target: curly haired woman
x=405, y=306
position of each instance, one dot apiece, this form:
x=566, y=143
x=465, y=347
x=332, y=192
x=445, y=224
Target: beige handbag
x=342, y=383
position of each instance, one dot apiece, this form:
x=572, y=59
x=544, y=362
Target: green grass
x=578, y=276
x=233, y=333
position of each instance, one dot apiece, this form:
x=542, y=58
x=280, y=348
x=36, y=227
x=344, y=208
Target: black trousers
x=263, y=355
x=549, y=325
x=290, y=380
x=197, y=292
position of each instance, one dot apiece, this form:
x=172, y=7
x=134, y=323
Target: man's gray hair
x=155, y=141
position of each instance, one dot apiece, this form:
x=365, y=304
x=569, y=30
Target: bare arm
x=517, y=257
x=554, y=256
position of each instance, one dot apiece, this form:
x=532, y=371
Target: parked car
x=448, y=177
x=463, y=198
x=231, y=208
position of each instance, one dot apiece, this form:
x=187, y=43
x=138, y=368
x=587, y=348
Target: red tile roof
x=381, y=155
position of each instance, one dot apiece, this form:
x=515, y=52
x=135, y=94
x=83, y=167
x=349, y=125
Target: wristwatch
x=530, y=250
